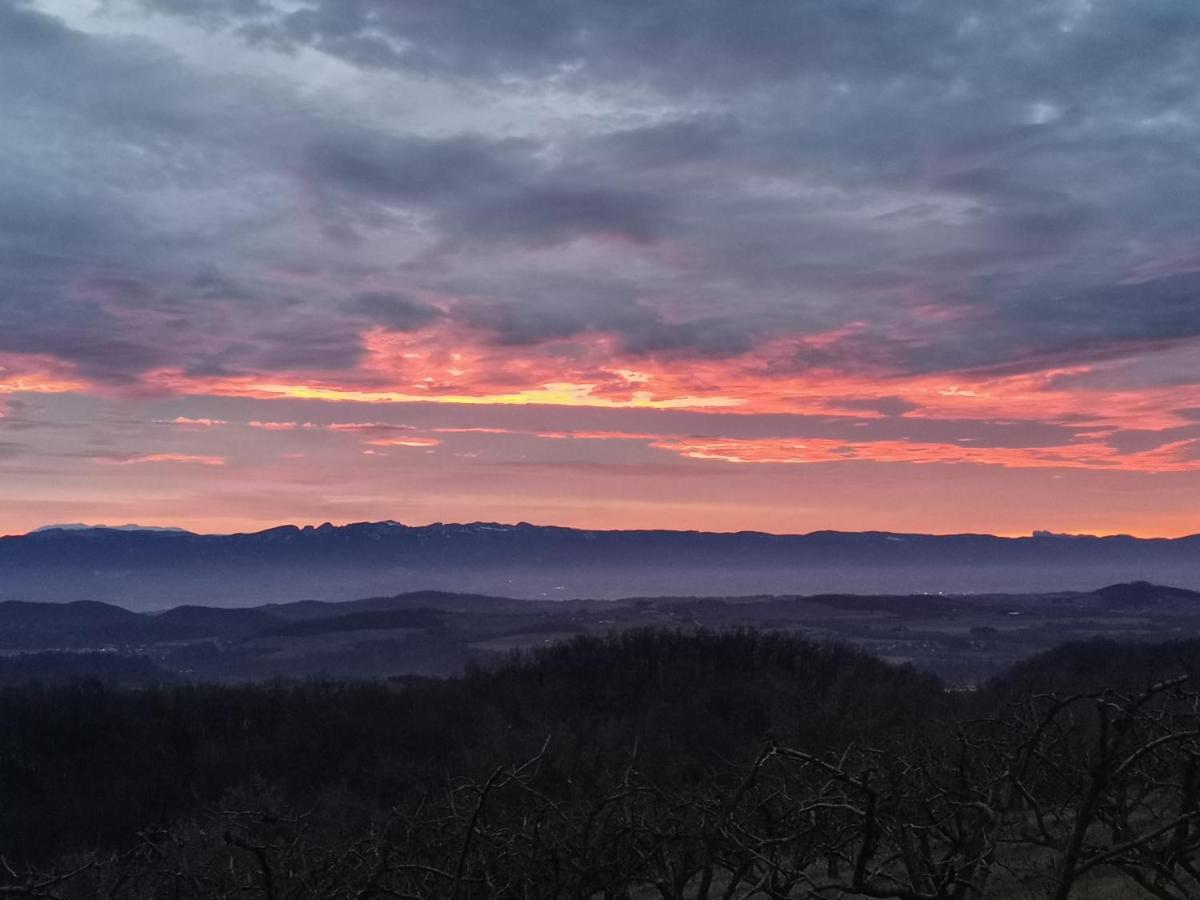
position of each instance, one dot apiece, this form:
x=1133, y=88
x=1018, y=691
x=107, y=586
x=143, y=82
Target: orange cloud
x=470, y=430
x=31, y=374
x=280, y=426
x=404, y=442
x=596, y=435
x=184, y=421
x=450, y=364
x=1089, y=453
x=550, y=394
x=187, y=458
x=1172, y=457
x=367, y=427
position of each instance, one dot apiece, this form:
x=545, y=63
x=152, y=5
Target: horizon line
x=171, y=528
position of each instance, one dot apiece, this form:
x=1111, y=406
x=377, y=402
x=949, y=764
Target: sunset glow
x=567, y=287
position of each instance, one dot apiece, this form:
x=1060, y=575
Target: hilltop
x=963, y=638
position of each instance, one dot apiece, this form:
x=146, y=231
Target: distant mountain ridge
x=160, y=568
x=392, y=525
x=80, y=526
x=483, y=543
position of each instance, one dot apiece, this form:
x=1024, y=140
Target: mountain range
x=159, y=568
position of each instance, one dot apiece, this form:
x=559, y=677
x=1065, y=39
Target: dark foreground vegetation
x=642, y=764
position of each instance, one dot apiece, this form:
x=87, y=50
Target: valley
x=964, y=639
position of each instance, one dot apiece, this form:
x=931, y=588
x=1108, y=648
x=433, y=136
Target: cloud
x=417, y=169
x=301, y=345
x=186, y=422
x=154, y=458
x=823, y=166
x=698, y=337
x=632, y=41
x=404, y=442
x=476, y=189
x=367, y=427
x=1177, y=456
x=281, y=426
x=920, y=220
x=394, y=312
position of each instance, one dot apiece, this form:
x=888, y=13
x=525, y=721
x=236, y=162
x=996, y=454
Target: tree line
x=733, y=764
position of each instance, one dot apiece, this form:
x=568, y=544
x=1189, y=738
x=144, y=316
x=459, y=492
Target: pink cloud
x=1176, y=456
x=186, y=422
x=367, y=427
x=184, y=458
x=480, y=430
x=281, y=426
x=404, y=442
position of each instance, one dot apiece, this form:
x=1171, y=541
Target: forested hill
x=963, y=638
x=648, y=763
x=119, y=760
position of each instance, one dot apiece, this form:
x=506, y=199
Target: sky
x=785, y=266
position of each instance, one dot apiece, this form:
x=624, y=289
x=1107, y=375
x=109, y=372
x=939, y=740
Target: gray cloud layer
x=971, y=185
